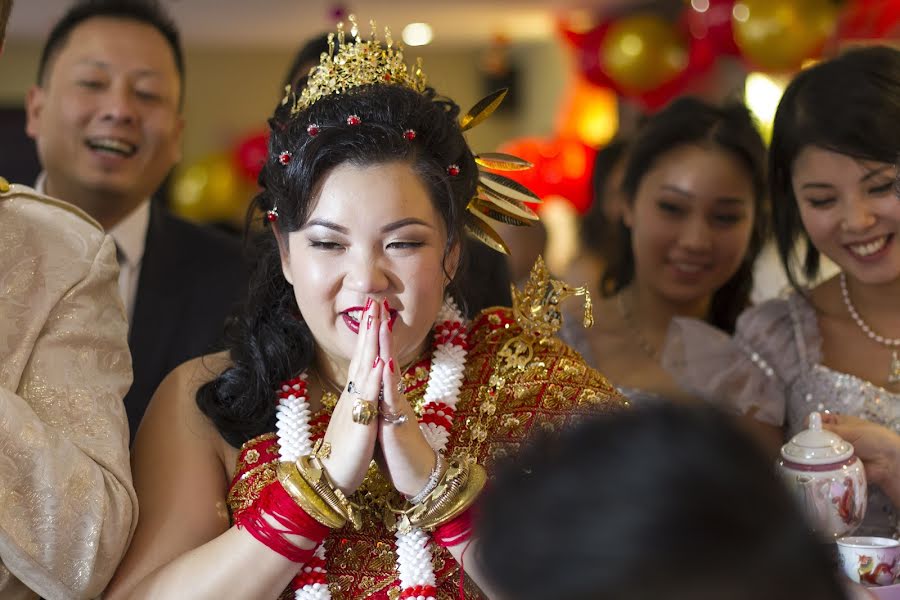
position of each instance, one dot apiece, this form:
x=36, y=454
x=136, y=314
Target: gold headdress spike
x=356, y=62
x=497, y=198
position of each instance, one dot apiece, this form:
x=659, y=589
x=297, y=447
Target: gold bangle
x=306, y=497
x=314, y=473
x=460, y=496
x=451, y=481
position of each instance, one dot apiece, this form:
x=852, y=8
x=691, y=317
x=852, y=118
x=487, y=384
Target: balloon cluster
x=218, y=187
x=651, y=58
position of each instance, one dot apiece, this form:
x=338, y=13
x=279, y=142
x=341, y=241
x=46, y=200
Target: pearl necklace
x=894, y=373
x=414, y=558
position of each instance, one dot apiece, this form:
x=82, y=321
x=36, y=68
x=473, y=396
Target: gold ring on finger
x=363, y=411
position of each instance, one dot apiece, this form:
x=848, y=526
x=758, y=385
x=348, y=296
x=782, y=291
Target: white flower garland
x=414, y=560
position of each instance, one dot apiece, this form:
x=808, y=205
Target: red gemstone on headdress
x=353, y=120
x=272, y=215
x=285, y=157
x=409, y=135
x=312, y=129
x=453, y=170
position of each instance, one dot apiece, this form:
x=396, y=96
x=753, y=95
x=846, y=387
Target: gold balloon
x=642, y=52
x=209, y=190
x=777, y=35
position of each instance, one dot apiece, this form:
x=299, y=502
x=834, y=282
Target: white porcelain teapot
x=826, y=477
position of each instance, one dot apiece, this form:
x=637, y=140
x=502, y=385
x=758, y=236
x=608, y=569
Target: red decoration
x=284, y=158
x=250, y=154
x=713, y=27
x=440, y=415
x=870, y=20
x=272, y=215
x=353, y=120
x=456, y=531
x=453, y=170
x=277, y=504
x=312, y=129
x=419, y=591
x=313, y=572
x=562, y=168
x=409, y=135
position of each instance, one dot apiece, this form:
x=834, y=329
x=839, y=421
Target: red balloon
x=562, y=167
x=250, y=154
x=586, y=46
x=712, y=27
x=870, y=20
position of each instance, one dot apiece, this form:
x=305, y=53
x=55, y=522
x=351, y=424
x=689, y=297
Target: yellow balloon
x=642, y=52
x=778, y=36
x=209, y=190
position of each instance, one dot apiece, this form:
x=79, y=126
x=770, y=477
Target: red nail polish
x=368, y=304
x=377, y=360
x=391, y=364
x=369, y=322
x=391, y=324
x=387, y=307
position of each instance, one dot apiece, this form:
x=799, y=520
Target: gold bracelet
x=306, y=497
x=451, y=478
x=312, y=470
x=455, y=501
x=457, y=491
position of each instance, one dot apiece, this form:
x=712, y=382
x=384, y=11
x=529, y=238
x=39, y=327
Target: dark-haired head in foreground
x=664, y=501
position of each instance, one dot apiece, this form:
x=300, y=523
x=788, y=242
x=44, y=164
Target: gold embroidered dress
x=506, y=395
x=67, y=506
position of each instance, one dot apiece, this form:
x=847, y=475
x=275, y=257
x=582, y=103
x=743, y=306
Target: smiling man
x=106, y=117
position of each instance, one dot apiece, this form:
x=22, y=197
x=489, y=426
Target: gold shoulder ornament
x=536, y=309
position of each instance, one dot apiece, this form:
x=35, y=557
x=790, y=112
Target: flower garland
x=414, y=558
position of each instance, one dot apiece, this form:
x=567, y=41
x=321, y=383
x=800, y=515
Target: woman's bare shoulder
x=174, y=409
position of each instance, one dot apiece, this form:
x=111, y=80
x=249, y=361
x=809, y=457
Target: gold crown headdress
x=356, y=62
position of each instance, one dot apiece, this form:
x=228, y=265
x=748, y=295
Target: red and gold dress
x=514, y=384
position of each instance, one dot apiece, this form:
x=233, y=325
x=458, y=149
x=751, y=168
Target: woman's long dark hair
x=689, y=121
x=268, y=340
x=849, y=104
x=596, y=232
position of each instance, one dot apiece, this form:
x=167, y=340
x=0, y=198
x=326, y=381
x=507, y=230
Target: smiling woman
x=834, y=347
x=356, y=414
x=692, y=226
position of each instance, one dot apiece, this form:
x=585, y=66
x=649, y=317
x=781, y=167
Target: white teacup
x=870, y=560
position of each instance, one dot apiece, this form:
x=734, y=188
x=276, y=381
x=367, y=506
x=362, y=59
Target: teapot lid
x=817, y=446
